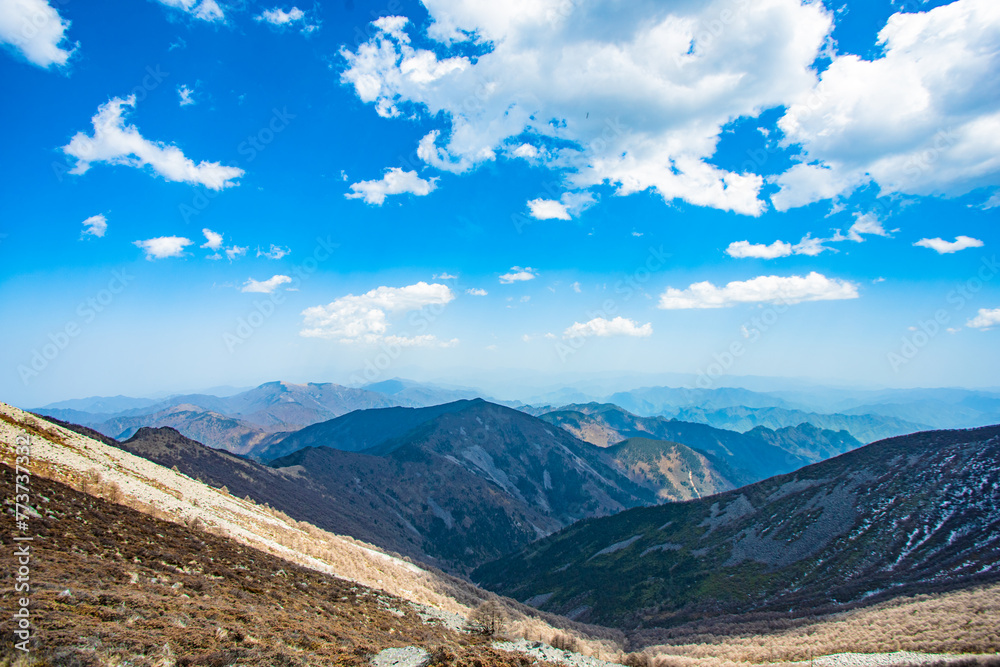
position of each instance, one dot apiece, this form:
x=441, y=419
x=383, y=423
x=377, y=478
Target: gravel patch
x=885, y=659
x=542, y=651
x=408, y=656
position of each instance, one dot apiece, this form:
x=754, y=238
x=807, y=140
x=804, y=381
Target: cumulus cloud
x=602, y=327
x=985, y=319
x=394, y=182
x=920, y=119
x=265, y=286
x=759, y=250
x=213, y=240
x=517, y=274
x=95, y=225
x=114, y=142
x=274, y=252
x=35, y=30
x=364, y=318
x=762, y=289
x=632, y=95
x=281, y=18
x=568, y=205
x=476, y=291
x=943, y=247
x=162, y=247
x=205, y=10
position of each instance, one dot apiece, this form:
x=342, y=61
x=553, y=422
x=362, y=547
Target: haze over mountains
x=250, y=422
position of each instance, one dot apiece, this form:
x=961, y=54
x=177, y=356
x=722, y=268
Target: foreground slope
x=918, y=512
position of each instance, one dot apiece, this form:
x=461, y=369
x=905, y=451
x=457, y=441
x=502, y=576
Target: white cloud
x=526, y=151
x=213, y=240
x=548, y=209
x=865, y=223
x=445, y=276
x=186, y=94
x=281, y=18
x=206, y=10
x=274, y=252
x=634, y=95
x=424, y=340
x=95, y=225
x=920, y=119
x=162, y=247
x=116, y=143
x=985, y=319
x=265, y=286
x=576, y=287
x=36, y=30
x=476, y=291
x=762, y=289
x=943, y=247
x=364, y=318
x=394, y=182
x=602, y=327
x=235, y=252
x=517, y=274
x=759, y=250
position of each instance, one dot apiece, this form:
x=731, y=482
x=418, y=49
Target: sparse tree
x=488, y=619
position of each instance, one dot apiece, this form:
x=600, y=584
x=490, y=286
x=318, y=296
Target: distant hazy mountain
x=913, y=514
x=204, y=426
x=755, y=455
x=863, y=427
x=649, y=401
x=420, y=394
x=236, y=423
x=103, y=404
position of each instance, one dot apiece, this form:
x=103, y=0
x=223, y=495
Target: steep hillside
x=752, y=456
x=672, y=470
x=476, y=482
x=864, y=427
x=357, y=430
x=913, y=513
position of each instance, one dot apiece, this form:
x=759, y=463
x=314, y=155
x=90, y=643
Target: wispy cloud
x=265, y=286
x=205, y=10
x=95, y=225
x=518, y=274
x=762, y=289
x=943, y=247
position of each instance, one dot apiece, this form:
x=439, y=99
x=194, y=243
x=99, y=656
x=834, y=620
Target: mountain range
x=916, y=513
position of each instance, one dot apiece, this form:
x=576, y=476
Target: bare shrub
x=488, y=619
x=565, y=642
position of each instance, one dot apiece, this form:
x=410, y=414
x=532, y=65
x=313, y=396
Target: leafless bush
x=565, y=642
x=488, y=619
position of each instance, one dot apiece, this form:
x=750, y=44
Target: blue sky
x=205, y=193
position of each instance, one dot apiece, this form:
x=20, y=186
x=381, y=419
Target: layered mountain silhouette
x=751, y=456
x=917, y=513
